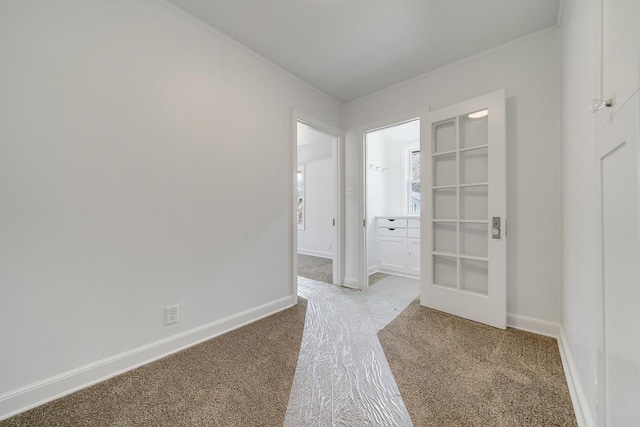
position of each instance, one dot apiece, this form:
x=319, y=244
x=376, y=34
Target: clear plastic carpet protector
x=342, y=377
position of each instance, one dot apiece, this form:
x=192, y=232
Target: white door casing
x=463, y=190
x=337, y=237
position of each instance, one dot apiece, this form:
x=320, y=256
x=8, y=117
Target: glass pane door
x=464, y=261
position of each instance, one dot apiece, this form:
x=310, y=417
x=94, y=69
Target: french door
x=463, y=209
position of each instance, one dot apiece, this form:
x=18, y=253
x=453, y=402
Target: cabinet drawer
x=392, y=222
x=392, y=232
x=413, y=223
x=413, y=233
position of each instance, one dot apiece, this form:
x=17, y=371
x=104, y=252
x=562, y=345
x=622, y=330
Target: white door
x=463, y=209
x=617, y=155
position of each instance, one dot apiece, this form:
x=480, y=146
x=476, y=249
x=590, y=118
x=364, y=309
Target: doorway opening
x=316, y=254
x=392, y=201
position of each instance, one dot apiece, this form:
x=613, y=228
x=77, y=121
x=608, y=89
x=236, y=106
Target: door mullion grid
x=458, y=266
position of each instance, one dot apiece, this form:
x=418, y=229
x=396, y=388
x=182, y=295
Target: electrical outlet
x=172, y=314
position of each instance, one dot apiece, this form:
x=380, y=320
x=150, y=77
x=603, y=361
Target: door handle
x=495, y=227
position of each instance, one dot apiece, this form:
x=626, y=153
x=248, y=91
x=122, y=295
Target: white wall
x=144, y=161
x=530, y=73
x=578, y=164
x=376, y=193
x=395, y=178
x=317, y=237
x=587, y=75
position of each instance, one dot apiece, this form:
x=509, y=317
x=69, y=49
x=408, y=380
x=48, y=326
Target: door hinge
x=364, y=222
x=334, y=222
x=506, y=227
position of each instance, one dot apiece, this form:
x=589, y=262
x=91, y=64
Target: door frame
x=363, y=279
x=338, y=196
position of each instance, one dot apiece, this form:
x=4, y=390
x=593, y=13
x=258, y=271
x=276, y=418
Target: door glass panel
x=474, y=166
x=474, y=239
x=444, y=170
x=474, y=202
x=445, y=271
x=444, y=203
x=444, y=237
x=474, y=131
x=444, y=136
x=474, y=276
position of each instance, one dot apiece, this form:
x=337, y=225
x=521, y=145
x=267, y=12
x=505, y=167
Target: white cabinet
x=399, y=245
x=392, y=254
x=413, y=256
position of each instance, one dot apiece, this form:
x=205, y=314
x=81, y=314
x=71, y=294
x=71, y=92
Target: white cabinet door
x=413, y=257
x=463, y=201
x=393, y=253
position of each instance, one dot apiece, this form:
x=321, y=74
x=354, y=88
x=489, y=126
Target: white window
x=412, y=179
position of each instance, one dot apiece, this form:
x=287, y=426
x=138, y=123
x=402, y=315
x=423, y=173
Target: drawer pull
x=391, y=219
x=391, y=229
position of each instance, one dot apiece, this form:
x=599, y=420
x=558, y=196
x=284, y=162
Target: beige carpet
x=315, y=268
x=450, y=372
x=242, y=378
x=454, y=372
x=376, y=277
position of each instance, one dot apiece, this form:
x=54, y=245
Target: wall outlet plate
x=171, y=314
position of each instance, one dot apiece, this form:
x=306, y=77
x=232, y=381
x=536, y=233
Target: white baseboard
x=554, y=330
x=399, y=274
x=36, y=394
x=373, y=269
x=320, y=254
x=529, y=324
x=578, y=399
x=350, y=282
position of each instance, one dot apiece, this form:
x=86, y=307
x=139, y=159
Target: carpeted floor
x=315, y=268
x=454, y=372
x=321, y=269
x=450, y=372
x=376, y=277
x=242, y=378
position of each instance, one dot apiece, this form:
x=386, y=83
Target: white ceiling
x=350, y=48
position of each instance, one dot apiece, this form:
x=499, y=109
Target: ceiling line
x=487, y=52
x=233, y=42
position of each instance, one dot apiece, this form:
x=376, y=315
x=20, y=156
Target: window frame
x=407, y=150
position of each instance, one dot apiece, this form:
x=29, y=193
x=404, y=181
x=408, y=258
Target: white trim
x=537, y=326
x=374, y=269
x=407, y=149
x=319, y=254
x=580, y=404
x=399, y=274
x=337, y=160
x=38, y=393
x=179, y=11
x=362, y=199
x=350, y=282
